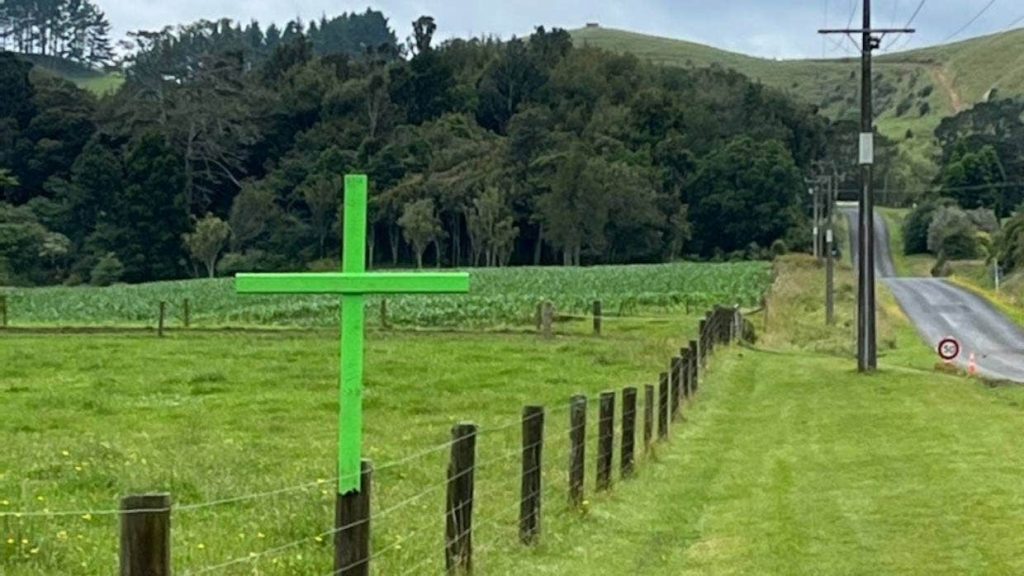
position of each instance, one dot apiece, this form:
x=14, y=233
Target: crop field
x=507, y=296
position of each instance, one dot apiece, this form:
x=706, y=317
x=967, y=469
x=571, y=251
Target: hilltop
x=915, y=90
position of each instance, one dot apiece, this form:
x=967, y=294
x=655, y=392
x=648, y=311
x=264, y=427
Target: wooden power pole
x=871, y=39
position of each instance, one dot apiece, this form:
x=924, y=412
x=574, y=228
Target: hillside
x=95, y=81
x=914, y=89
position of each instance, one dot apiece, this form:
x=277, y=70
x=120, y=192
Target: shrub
x=250, y=261
x=107, y=271
x=984, y=220
x=960, y=245
x=779, y=247
x=904, y=106
x=952, y=235
x=915, y=227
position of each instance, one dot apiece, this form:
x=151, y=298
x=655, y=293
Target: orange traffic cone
x=972, y=365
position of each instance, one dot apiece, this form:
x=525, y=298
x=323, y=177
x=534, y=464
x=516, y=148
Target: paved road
x=940, y=309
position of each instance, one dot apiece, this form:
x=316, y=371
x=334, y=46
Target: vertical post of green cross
x=352, y=284
x=350, y=426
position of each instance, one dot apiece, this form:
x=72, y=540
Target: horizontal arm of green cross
x=353, y=283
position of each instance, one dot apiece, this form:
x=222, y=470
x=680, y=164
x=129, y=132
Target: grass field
x=497, y=297
x=788, y=463
x=87, y=419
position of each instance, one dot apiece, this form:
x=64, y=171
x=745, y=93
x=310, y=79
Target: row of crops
x=506, y=296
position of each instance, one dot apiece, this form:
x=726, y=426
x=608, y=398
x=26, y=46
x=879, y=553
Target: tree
x=21, y=241
x=746, y=192
x=421, y=227
x=149, y=213
x=510, y=80
x=915, y=227
x=973, y=179
x=7, y=180
x=107, y=271
x=75, y=30
x=952, y=235
x=321, y=194
x=1009, y=243
x=253, y=213
x=491, y=229
x=207, y=241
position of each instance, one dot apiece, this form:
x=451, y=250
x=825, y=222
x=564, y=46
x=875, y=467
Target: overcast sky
x=769, y=28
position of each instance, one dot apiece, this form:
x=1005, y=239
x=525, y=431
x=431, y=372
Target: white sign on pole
x=867, y=148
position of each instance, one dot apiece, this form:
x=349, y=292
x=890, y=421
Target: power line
x=853, y=12
x=917, y=11
x=970, y=22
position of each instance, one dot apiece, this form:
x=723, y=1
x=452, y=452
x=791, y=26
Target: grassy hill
x=95, y=81
x=915, y=90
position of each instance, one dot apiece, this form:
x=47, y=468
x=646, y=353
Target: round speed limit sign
x=949, y=349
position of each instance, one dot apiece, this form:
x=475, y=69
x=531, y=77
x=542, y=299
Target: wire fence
x=487, y=509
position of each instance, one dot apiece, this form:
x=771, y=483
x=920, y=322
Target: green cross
x=352, y=284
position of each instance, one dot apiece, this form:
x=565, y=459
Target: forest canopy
x=226, y=144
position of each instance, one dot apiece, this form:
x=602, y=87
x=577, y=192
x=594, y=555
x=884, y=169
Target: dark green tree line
x=479, y=152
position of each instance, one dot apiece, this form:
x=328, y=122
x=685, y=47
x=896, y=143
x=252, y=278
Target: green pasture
x=214, y=416
x=788, y=462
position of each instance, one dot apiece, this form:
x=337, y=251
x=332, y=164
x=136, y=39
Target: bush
x=984, y=220
x=960, y=245
x=952, y=235
x=904, y=106
x=779, y=247
x=915, y=227
x=250, y=261
x=107, y=271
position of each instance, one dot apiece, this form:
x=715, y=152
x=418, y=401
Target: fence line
x=720, y=327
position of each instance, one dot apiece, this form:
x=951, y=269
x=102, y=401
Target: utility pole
x=867, y=348
x=830, y=295
x=817, y=221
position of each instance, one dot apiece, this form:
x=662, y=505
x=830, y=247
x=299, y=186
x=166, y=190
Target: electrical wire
x=970, y=22
x=910, y=21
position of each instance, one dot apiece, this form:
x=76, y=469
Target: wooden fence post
x=663, y=406
x=186, y=312
x=160, y=321
x=352, y=527
x=146, y=535
x=694, y=367
x=384, y=313
x=685, y=371
x=459, y=517
x=675, y=382
x=547, y=318
x=605, y=440
x=3, y=310
x=538, y=316
x=531, y=489
x=648, y=416
x=627, y=457
x=577, y=447
x=597, y=317
x=710, y=325
x=702, y=340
